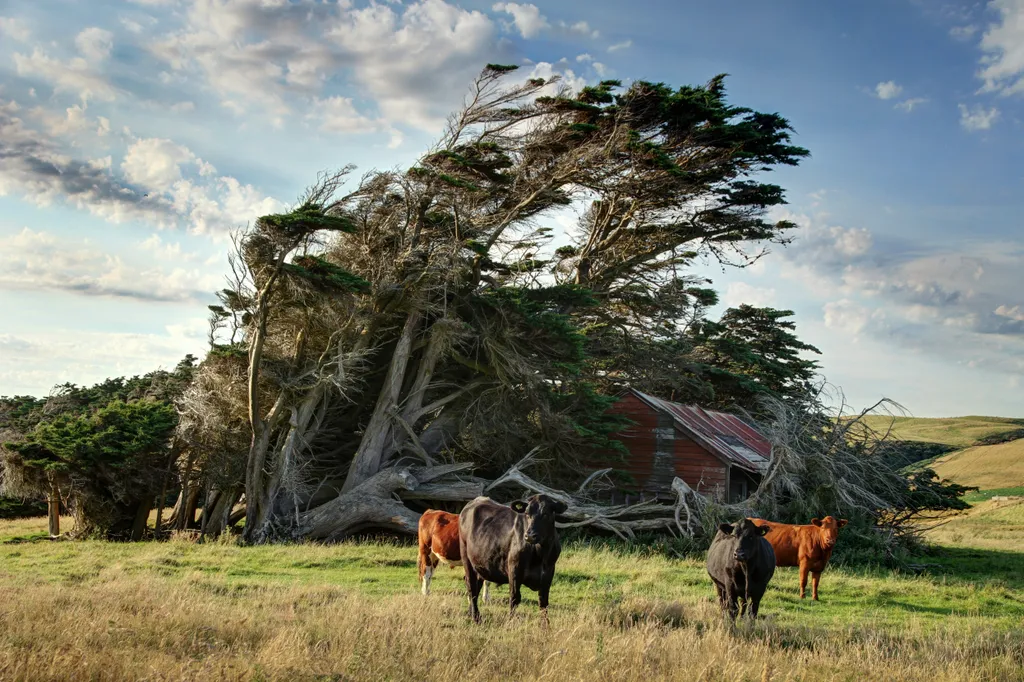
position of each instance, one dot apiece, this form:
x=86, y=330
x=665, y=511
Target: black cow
x=741, y=562
x=517, y=545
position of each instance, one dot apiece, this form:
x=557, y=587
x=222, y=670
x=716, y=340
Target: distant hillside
x=985, y=466
x=959, y=432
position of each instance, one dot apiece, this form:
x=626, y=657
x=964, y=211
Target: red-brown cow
x=808, y=547
x=439, y=541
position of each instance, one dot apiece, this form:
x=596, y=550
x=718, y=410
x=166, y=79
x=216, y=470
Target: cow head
x=747, y=534
x=828, y=529
x=539, y=514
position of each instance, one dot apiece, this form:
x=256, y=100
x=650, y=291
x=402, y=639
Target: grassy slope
x=990, y=524
x=986, y=466
x=178, y=610
x=960, y=432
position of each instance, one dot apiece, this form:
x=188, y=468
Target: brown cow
x=808, y=547
x=439, y=541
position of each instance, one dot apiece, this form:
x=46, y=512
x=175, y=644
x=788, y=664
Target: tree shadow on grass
x=976, y=566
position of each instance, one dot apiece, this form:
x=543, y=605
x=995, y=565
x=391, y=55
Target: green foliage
x=754, y=352
x=106, y=446
x=305, y=220
x=325, y=276
x=14, y=508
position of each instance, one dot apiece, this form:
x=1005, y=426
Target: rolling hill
x=989, y=467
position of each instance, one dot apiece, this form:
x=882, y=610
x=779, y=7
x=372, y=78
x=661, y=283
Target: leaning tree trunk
x=53, y=508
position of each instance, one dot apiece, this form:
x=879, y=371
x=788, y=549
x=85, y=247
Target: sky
x=136, y=135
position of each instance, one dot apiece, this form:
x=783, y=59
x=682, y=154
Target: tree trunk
x=380, y=436
x=372, y=503
x=141, y=517
x=53, y=508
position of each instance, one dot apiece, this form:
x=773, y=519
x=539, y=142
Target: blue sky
x=135, y=135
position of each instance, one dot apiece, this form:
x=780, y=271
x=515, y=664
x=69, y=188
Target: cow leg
x=803, y=580
x=473, y=584
x=428, y=572
x=722, y=600
x=755, y=606
x=514, y=589
x=815, y=577
x=487, y=591
x=542, y=598
x=731, y=598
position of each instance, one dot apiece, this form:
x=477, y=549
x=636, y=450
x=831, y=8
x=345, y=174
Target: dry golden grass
x=181, y=611
x=134, y=628
x=992, y=524
x=985, y=466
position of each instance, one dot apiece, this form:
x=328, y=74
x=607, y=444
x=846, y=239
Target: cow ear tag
x=518, y=506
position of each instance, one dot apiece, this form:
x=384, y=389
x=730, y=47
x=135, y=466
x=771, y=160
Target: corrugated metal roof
x=725, y=434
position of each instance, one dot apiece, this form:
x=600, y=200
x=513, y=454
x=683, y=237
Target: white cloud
x=526, y=17
x=738, y=293
x=846, y=316
x=1015, y=313
x=15, y=29
x=888, y=90
x=131, y=26
x=33, y=167
x=277, y=57
x=909, y=104
x=155, y=163
x=1003, y=43
x=35, y=260
x=32, y=363
x=624, y=45
x=977, y=117
x=963, y=32
x=76, y=75
x=580, y=28
x=582, y=58
x=95, y=44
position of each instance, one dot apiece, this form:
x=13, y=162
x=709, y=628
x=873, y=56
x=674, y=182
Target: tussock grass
x=178, y=610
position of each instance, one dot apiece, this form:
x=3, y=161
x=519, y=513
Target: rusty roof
x=724, y=434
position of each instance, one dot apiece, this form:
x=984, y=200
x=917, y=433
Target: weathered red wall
x=653, y=434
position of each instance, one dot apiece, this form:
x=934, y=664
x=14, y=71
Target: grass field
x=985, y=466
x=177, y=610
x=960, y=432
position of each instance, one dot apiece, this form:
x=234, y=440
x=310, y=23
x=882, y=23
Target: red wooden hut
x=715, y=453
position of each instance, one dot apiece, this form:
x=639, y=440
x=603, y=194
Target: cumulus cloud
x=36, y=260
x=95, y=44
x=76, y=75
x=846, y=316
x=15, y=29
x=977, y=117
x=526, y=18
x=1002, y=67
x=938, y=302
x=33, y=167
x=888, y=90
x=624, y=45
x=155, y=163
x=277, y=56
x=161, y=182
x=738, y=293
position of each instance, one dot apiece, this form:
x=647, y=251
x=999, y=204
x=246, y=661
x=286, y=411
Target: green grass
x=984, y=495
x=586, y=576
x=352, y=611
x=960, y=432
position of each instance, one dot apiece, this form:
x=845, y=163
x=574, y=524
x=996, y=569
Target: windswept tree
x=422, y=319
x=105, y=452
